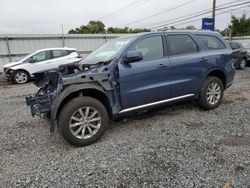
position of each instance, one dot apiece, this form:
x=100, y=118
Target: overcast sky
x=46, y=16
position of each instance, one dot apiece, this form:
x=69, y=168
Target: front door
x=145, y=81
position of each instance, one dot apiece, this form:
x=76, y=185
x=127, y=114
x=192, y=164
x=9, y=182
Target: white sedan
x=21, y=71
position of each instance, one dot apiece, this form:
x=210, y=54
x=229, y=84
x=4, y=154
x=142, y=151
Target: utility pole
x=63, y=38
x=213, y=11
x=214, y=7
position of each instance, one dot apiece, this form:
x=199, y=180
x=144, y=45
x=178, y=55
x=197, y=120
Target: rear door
x=59, y=57
x=187, y=64
x=145, y=81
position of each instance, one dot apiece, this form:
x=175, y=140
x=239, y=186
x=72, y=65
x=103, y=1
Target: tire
x=76, y=128
x=21, y=77
x=211, y=93
x=243, y=63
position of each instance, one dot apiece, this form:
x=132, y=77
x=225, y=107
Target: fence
x=14, y=47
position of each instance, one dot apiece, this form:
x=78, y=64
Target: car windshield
x=107, y=51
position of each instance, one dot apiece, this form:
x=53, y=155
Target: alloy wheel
x=85, y=122
x=242, y=64
x=213, y=93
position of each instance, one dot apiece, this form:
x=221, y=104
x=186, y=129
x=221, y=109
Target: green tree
x=126, y=30
x=91, y=28
x=240, y=26
x=190, y=27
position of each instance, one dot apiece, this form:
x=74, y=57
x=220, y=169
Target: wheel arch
x=219, y=74
x=90, y=90
x=29, y=75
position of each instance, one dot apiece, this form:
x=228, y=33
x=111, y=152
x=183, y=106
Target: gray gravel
x=175, y=146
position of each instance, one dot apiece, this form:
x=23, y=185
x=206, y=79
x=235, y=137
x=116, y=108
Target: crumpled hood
x=12, y=64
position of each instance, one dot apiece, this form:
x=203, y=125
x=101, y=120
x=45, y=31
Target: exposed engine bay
x=53, y=82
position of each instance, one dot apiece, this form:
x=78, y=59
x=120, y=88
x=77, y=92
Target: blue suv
x=131, y=73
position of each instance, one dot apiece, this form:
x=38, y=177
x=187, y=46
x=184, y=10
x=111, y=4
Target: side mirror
x=133, y=56
x=32, y=60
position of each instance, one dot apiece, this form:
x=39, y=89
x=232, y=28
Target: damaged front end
x=48, y=82
x=55, y=85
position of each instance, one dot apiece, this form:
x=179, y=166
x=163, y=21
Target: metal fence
x=15, y=47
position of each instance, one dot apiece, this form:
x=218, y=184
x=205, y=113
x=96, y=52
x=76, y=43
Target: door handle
x=160, y=66
x=204, y=59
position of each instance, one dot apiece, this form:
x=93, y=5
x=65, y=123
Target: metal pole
x=214, y=7
x=230, y=34
x=8, y=48
x=63, y=39
x=106, y=37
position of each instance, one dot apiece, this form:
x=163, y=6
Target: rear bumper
x=230, y=78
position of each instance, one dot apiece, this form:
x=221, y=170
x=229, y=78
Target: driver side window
x=41, y=56
x=151, y=48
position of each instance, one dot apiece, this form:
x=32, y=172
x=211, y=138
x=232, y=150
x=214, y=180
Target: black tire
x=68, y=112
x=203, y=97
x=243, y=63
x=25, y=79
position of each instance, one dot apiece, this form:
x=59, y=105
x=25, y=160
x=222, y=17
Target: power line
x=128, y=7
x=168, y=10
x=199, y=12
x=195, y=15
x=197, y=19
x=157, y=14
x=121, y=8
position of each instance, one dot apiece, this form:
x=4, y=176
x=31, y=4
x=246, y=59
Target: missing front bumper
x=39, y=105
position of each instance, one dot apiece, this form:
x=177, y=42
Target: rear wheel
x=211, y=93
x=21, y=77
x=83, y=121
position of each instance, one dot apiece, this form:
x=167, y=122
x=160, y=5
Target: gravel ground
x=175, y=146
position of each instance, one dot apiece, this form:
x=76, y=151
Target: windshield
x=107, y=51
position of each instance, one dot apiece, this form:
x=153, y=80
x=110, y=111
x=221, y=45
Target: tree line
x=95, y=27
x=239, y=26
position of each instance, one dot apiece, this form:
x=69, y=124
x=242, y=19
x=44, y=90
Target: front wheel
x=83, y=120
x=211, y=93
x=243, y=63
x=21, y=77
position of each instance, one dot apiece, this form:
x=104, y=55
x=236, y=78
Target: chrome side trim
x=155, y=103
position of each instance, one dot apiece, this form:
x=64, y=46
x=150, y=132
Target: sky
x=48, y=16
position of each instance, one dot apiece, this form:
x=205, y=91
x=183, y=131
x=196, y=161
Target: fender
x=66, y=92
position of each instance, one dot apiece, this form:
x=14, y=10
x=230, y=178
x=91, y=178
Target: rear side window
x=181, y=44
x=70, y=51
x=59, y=53
x=151, y=47
x=211, y=42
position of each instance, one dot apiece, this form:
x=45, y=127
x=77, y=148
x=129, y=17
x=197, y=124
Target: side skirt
x=156, y=103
